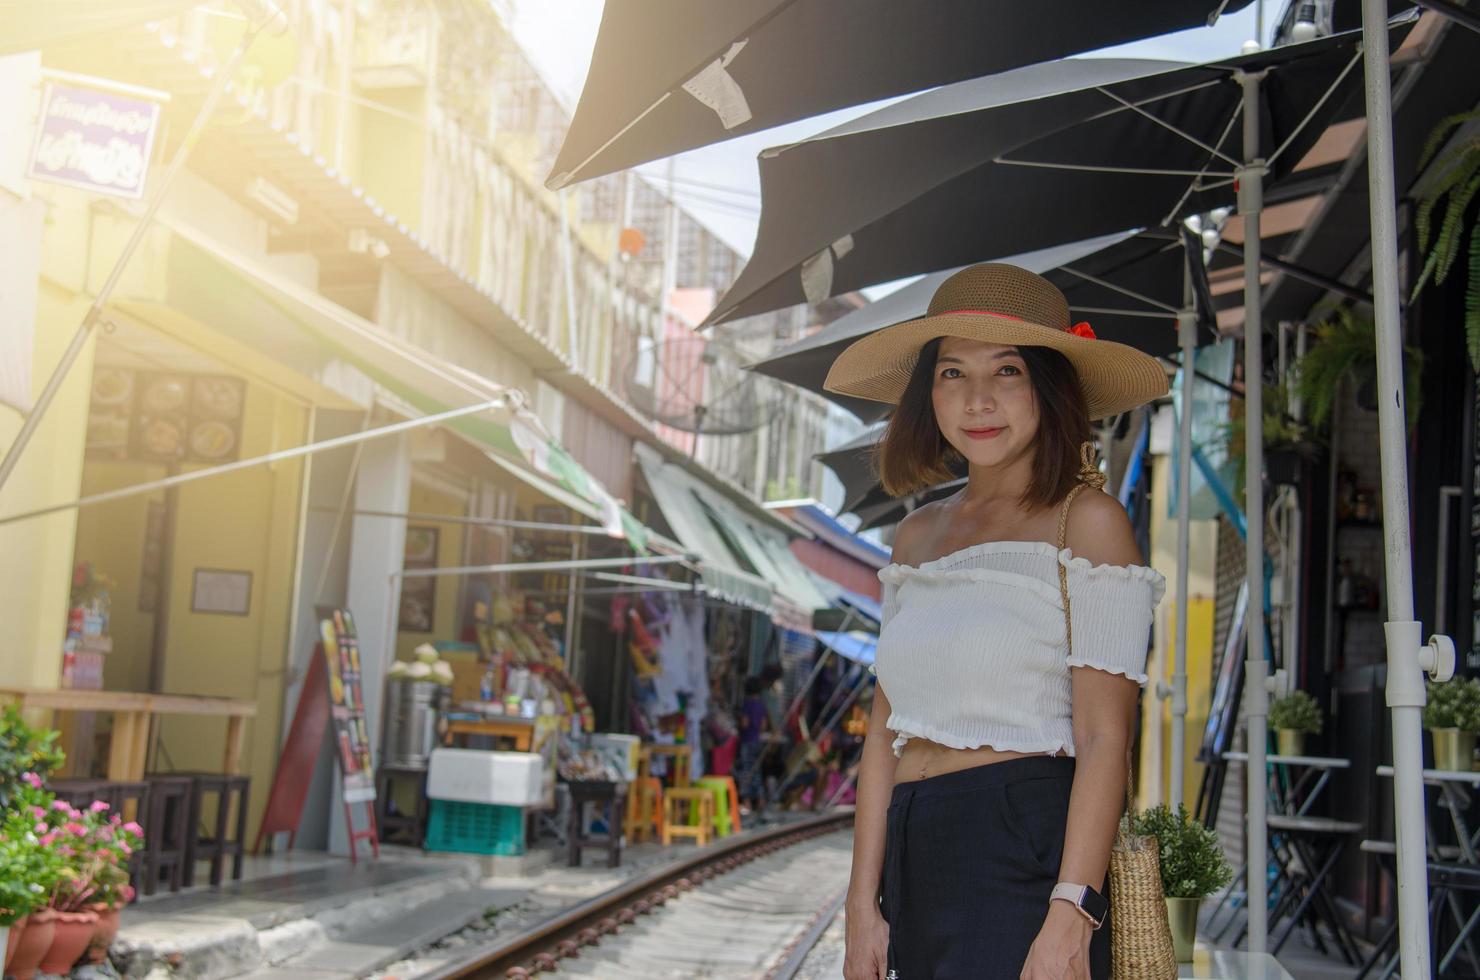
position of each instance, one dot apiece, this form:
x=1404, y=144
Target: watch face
x=1094, y=904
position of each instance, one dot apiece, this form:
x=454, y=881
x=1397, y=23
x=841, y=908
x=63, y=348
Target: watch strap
x=1089, y=902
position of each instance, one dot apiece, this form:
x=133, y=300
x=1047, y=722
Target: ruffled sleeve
x=1112, y=609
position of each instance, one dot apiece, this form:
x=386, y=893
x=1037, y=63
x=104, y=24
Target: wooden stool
x=644, y=810
x=678, y=805
x=612, y=796
x=726, y=803
x=216, y=847
x=389, y=819
x=168, y=830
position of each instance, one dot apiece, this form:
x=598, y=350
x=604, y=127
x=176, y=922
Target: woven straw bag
x=1140, y=937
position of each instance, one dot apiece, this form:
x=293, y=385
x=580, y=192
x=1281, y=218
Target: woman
x=994, y=771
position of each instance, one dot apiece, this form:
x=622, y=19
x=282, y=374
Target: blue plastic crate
x=475, y=828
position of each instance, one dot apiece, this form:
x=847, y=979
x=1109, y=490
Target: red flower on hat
x=1082, y=329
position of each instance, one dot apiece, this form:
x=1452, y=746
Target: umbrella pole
x=1405, y=683
x=1256, y=695
x=1187, y=334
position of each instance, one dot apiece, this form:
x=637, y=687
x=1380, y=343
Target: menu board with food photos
x=346, y=704
x=165, y=417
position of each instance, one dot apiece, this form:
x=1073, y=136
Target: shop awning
x=226, y=280
x=30, y=25
x=855, y=646
x=737, y=562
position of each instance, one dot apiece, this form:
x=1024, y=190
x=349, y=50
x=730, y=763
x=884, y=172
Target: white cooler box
x=621, y=751
x=475, y=776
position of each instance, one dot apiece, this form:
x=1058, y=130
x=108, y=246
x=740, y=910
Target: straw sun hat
x=1000, y=304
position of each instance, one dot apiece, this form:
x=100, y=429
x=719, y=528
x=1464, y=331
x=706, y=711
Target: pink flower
x=125, y=849
x=60, y=806
x=133, y=828
x=75, y=828
x=32, y=780
x=98, y=806
x=40, y=828
x=48, y=839
x=128, y=893
x=39, y=812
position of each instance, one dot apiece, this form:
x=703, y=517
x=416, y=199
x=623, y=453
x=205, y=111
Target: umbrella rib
x=1111, y=311
x=1168, y=126
x=616, y=136
x=1197, y=182
x=1330, y=90
x=1100, y=169
x=1118, y=289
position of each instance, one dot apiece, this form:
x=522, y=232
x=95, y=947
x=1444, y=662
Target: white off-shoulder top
x=973, y=651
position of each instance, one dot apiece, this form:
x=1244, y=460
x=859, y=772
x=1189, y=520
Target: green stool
x=726, y=803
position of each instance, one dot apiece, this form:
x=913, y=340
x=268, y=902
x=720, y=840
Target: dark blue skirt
x=969, y=862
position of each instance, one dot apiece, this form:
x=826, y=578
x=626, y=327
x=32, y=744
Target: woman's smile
x=990, y=432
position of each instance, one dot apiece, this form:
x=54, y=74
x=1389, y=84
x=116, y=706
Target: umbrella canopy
x=1127, y=285
x=1024, y=160
x=671, y=75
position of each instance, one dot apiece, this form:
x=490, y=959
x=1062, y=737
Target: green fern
x=1451, y=194
x=1346, y=346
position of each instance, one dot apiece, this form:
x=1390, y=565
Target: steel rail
x=541, y=947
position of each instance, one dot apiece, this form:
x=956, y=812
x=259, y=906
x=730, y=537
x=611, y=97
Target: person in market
x=1017, y=614
x=754, y=723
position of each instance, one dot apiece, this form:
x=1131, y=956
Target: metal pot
x=411, y=722
x=1289, y=741
x=1182, y=917
x=1454, y=749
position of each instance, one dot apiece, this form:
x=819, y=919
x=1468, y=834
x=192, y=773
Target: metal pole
x=1187, y=334
x=1256, y=696
x=95, y=311
x=242, y=464
x=1405, y=683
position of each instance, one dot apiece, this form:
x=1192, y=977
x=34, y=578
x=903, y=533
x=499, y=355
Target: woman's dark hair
x=914, y=455
x=753, y=687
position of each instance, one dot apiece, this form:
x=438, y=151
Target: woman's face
x=984, y=401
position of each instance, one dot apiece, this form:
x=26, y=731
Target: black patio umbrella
x=1127, y=285
x=1025, y=160
x=671, y=75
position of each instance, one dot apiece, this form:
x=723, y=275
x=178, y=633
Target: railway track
x=747, y=907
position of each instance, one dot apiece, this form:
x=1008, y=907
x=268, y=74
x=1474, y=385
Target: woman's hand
x=1061, y=949
x=867, y=944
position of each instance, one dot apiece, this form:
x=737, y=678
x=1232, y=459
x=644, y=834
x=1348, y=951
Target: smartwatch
x=1090, y=903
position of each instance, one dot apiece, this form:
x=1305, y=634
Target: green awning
x=740, y=557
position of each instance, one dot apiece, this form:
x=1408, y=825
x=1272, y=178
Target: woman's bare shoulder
x=1100, y=531
x=916, y=533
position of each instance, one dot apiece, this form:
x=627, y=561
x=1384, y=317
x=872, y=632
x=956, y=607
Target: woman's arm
x=1104, y=711
x=868, y=935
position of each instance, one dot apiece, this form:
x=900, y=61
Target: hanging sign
x=93, y=139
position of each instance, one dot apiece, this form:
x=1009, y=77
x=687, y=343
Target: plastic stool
x=726, y=803
x=644, y=810
x=676, y=821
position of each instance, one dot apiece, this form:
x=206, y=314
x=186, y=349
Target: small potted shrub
x=1452, y=716
x=1192, y=868
x=29, y=873
x=1293, y=717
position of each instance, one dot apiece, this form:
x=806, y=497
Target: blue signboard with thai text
x=93, y=139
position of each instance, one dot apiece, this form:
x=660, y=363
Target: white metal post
x=1187, y=334
x=1405, y=684
x=1256, y=696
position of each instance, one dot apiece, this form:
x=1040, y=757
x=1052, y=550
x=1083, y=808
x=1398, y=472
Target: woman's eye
x=950, y=372
x=1011, y=370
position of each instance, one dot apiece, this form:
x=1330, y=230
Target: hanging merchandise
x=522, y=665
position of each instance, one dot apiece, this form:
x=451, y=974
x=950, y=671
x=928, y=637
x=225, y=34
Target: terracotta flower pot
x=74, y=931
x=12, y=940
x=35, y=940
x=103, y=933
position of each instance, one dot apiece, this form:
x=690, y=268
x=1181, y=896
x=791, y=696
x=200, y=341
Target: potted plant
x=1452, y=716
x=1455, y=180
x=1288, y=445
x=1192, y=868
x=1293, y=717
x=23, y=749
x=1346, y=348
x=29, y=872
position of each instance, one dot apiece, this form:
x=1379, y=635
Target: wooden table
x=521, y=730
x=133, y=717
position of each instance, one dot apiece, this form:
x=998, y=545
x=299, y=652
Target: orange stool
x=644, y=819
x=678, y=804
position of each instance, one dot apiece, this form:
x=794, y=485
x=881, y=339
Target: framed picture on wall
x=419, y=593
x=221, y=591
